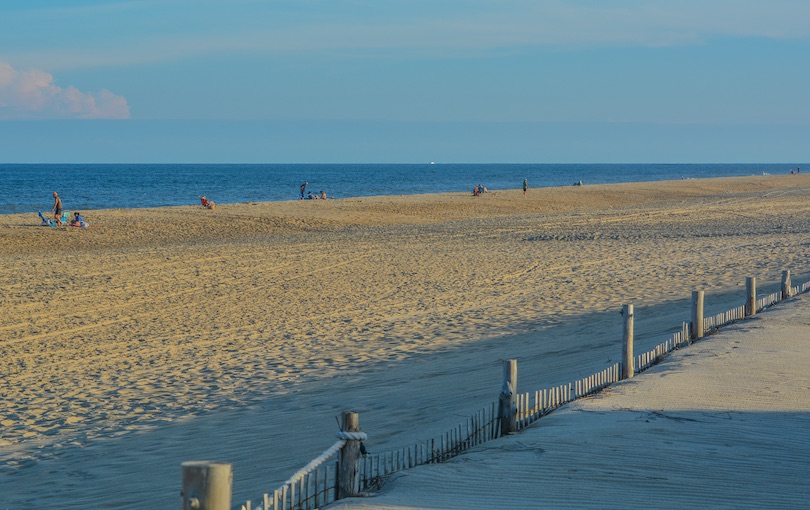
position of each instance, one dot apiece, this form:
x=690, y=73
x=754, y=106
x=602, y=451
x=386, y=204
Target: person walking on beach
x=303, y=188
x=525, y=186
x=57, y=208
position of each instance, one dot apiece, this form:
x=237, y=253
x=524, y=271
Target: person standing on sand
x=525, y=186
x=303, y=188
x=57, y=208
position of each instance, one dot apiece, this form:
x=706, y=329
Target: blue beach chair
x=45, y=221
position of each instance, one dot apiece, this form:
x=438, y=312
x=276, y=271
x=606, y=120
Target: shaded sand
x=724, y=423
x=238, y=334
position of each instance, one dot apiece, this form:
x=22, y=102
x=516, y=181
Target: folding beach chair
x=45, y=221
x=66, y=219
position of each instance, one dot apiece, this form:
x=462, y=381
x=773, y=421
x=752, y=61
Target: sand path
x=720, y=424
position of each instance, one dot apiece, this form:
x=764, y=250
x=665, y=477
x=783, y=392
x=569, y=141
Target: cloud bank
x=34, y=95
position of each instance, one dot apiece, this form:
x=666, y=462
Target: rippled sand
x=157, y=321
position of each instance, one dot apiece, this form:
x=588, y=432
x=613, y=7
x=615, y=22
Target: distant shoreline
x=27, y=188
x=372, y=197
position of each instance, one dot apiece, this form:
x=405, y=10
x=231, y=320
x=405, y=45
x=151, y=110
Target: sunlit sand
x=239, y=333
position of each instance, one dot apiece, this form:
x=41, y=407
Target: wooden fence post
x=628, y=369
x=697, y=315
x=751, y=293
x=349, y=463
x=787, y=289
x=507, y=409
x=206, y=485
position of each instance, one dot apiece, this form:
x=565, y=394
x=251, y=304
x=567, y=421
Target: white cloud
x=34, y=95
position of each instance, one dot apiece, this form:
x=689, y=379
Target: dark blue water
x=28, y=187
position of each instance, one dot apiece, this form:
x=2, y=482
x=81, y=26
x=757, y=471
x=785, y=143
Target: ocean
x=28, y=187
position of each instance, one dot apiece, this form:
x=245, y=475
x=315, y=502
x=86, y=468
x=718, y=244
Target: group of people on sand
x=480, y=189
x=321, y=195
x=305, y=195
x=312, y=196
x=76, y=221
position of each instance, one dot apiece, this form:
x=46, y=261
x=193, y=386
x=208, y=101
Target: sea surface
x=28, y=187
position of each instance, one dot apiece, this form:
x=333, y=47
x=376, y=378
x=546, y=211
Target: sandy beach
x=720, y=424
x=237, y=334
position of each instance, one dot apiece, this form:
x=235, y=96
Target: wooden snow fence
x=356, y=473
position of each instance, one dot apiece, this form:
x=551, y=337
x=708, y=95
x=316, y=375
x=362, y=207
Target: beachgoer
x=525, y=186
x=208, y=204
x=323, y=195
x=303, y=188
x=310, y=196
x=476, y=191
x=57, y=208
x=77, y=220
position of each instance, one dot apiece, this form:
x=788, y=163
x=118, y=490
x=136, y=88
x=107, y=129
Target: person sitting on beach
x=310, y=196
x=477, y=191
x=208, y=204
x=323, y=195
x=77, y=220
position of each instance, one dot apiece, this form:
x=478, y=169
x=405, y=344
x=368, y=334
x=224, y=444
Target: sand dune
x=169, y=334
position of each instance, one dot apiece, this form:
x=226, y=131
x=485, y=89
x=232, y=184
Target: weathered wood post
x=507, y=408
x=751, y=293
x=696, y=332
x=787, y=288
x=206, y=485
x=628, y=368
x=349, y=463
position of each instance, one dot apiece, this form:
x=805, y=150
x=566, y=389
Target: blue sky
x=537, y=81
